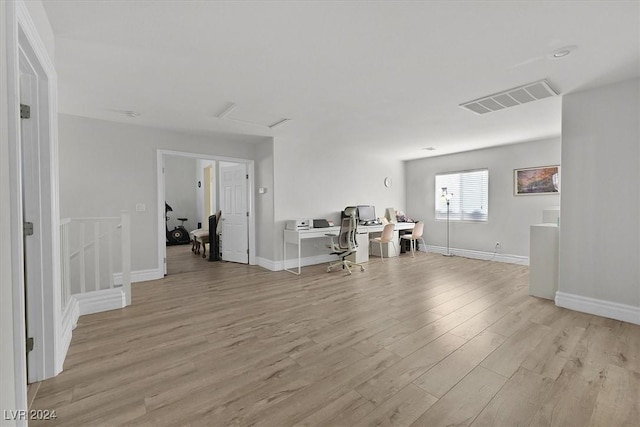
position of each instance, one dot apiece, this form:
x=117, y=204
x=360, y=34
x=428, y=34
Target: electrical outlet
x=498, y=245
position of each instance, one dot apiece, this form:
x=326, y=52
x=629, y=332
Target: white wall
x=180, y=190
x=600, y=228
x=265, y=243
x=313, y=182
x=107, y=167
x=509, y=216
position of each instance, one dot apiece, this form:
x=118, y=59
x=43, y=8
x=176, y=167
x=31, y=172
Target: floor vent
x=511, y=98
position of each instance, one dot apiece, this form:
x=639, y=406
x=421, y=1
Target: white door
x=31, y=208
x=234, y=219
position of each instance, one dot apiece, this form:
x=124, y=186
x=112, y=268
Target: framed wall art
x=536, y=181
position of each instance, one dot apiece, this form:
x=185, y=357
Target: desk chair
x=346, y=244
x=386, y=237
x=415, y=235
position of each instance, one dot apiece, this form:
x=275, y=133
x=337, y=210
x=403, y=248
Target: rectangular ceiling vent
x=511, y=98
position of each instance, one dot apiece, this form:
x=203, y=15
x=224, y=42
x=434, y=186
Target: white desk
x=295, y=237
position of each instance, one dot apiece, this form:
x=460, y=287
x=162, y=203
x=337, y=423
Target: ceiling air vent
x=511, y=98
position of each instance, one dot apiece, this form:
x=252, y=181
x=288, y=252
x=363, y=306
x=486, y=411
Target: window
x=470, y=200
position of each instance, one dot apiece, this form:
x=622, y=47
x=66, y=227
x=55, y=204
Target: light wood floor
x=430, y=341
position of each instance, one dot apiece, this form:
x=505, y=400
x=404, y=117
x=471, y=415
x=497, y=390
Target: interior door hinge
x=27, y=228
x=247, y=213
x=29, y=344
x=25, y=111
x=247, y=176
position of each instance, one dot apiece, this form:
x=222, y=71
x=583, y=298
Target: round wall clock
x=387, y=182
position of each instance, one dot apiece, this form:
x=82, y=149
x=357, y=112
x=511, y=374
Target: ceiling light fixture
x=131, y=114
x=563, y=52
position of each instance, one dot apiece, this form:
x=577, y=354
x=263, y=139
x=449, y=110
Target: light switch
x=262, y=190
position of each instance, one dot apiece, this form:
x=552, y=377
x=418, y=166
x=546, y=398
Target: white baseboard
x=293, y=263
x=487, y=256
x=69, y=323
x=267, y=263
x=139, y=276
x=612, y=310
x=98, y=301
x=326, y=258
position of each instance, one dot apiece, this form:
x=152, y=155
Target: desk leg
x=285, y=259
x=299, y=255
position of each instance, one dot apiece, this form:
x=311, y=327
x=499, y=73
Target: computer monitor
x=366, y=213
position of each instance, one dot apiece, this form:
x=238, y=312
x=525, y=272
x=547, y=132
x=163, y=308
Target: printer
x=298, y=224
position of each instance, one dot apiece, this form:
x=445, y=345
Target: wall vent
x=511, y=98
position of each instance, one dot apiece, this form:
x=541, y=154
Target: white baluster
x=110, y=233
x=83, y=284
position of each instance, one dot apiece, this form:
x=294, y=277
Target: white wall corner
x=612, y=310
x=99, y=301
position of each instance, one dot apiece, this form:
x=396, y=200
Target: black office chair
x=347, y=243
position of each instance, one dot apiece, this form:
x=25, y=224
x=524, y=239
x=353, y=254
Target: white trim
x=99, y=301
x=162, y=248
x=140, y=276
x=69, y=323
x=44, y=291
x=15, y=205
x=487, y=256
x=252, y=212
x=612, y=310
x=47, y=357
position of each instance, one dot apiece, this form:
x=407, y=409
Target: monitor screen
x=366, y=213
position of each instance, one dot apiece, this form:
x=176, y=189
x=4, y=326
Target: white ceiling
x=385, y=75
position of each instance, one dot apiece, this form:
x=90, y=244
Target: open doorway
x=200, y=187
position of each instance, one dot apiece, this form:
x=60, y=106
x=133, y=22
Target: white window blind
x=470, y=200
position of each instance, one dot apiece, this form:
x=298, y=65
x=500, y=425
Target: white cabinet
x=362, y=253
x=543, y=260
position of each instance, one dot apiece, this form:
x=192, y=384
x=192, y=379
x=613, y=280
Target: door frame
x=44, y=293
x=160, y=155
